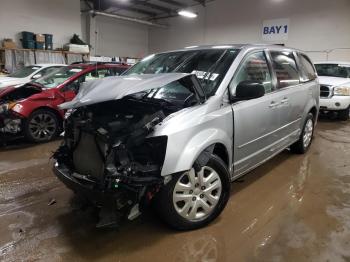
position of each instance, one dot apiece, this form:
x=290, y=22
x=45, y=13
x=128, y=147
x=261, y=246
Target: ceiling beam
x=202, y=2
x=126, y=18
x=173, y=2
x=153, y=6
x=104, y=5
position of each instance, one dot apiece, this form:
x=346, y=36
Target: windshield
x=179, y=93
x=57, y=77
x=210, y=65
x=25, y=71
x=336, y=70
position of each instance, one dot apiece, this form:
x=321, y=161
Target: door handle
x=273, y=104
x=284, y=101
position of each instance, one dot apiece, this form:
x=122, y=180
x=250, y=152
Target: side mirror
x=247, y=90
x=36, y=76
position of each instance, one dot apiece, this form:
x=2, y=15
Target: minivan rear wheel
x=193, y=198
x=306, y=136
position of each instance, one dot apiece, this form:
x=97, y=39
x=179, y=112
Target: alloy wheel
x=308, y=131
x=196, y=194
x=42, y=127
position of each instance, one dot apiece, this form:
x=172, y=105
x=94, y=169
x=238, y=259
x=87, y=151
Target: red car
x=31, y=110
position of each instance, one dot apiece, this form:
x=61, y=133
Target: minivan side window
x=284, y=65
x=254, y=68
x=307, y=69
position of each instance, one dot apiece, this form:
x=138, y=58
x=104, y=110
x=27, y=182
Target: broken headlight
x=6, y=107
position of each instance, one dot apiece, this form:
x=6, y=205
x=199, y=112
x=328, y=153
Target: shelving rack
x=65, y=54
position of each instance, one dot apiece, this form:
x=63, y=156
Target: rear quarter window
x=308, y=72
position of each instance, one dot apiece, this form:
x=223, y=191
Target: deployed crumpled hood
x=113, y=88
x=334, y=81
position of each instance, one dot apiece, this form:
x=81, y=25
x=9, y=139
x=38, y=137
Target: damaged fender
x=186, y=143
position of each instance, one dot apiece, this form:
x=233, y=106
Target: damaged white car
x=178, y=127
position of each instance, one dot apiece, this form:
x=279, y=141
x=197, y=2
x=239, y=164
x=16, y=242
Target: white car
x=334, y=80
x=27, y=74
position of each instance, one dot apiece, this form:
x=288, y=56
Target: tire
x=344, y=114
x=169, y=200
x=300, y=147
x=41, y=126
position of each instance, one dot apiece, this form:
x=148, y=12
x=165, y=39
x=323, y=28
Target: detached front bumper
x=86, y=188
x=334, y=103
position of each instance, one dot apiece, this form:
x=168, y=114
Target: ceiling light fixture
x=188, y=14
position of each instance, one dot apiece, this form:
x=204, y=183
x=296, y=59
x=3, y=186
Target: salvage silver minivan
x=178, y=127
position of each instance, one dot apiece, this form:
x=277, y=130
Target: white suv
x=334, y=87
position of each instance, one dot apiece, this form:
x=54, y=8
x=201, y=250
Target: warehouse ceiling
x=144, y=9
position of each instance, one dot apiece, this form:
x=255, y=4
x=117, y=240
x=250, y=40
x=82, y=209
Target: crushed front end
x=11, y=123
x=11, y=120
x=111, y=153
x=108, y=157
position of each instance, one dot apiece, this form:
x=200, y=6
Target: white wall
x=314, y=25
x=58, y=17
x=111, y=37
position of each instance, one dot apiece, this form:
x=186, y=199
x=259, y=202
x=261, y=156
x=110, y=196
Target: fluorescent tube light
x=187, y=13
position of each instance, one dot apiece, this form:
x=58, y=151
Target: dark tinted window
x=285, y=68
x=307, y=70
x=336, y=70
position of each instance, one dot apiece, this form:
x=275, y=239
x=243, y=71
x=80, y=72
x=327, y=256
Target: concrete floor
x=293, y=208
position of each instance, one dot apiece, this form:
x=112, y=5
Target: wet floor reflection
x=293, y=208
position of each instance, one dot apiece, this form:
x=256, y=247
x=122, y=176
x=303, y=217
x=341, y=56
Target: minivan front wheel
x=195, y=198
x=305, y=139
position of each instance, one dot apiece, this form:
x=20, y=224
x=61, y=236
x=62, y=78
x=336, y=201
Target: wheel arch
x=221, y=151
x=198, y=148
x=314, y=112
x=52, y=110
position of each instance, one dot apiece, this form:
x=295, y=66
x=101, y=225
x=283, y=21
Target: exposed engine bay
x=20, y=93
x=108, y=149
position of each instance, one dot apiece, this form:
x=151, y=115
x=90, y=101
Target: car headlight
x=8, y=106
x=16, y=107
x=342, y=91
